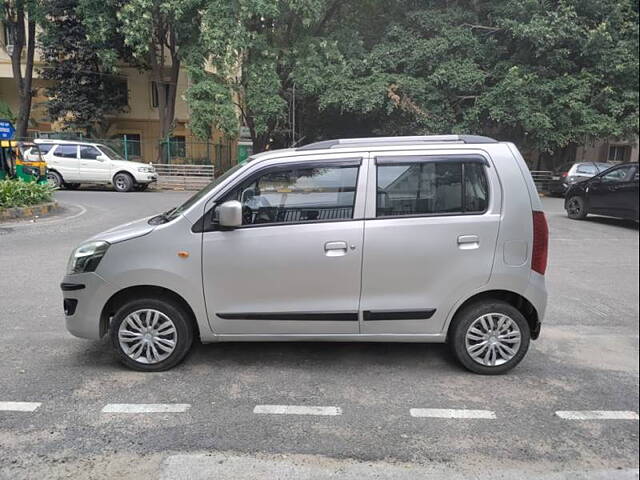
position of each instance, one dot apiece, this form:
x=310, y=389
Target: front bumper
x=147, y=178
x=84, y=297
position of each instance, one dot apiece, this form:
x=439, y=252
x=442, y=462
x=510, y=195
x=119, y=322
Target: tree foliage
x=85, y=88
x=544, y=73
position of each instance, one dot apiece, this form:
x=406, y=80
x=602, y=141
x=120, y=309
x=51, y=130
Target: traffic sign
x=7, y=130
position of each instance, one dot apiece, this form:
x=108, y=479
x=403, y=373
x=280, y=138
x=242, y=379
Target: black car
x=613, y=193
x=570, y=173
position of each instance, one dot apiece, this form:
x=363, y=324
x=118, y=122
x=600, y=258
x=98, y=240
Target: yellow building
x=139, y=122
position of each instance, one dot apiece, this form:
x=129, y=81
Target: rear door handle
x=335, y=249
x=468, y=242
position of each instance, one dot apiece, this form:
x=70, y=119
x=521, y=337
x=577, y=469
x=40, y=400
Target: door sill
x=348, y=337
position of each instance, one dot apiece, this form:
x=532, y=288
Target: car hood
x=126, y=231
x=128, y=164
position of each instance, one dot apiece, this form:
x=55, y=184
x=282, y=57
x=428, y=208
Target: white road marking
x=597, y=415
x=451, y=413
x=19, y=406
x=296, y=410
x=146, y=408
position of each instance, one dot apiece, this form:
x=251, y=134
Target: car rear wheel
x=489, y=338
x=54, y=179
x=576, y=208
x=151, y=335
x=123, y=182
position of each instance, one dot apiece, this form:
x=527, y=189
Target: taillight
x=564, y=174
x=540, y=243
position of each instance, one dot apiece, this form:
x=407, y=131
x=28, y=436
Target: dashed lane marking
x=451, y=413
x=597, y=415
x=296, y=410
x=146, y=408
x=19, y=406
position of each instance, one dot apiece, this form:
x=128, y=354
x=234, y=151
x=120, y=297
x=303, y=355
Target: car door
x=294, y=266
x=64, y=160
x=612, y=192
x=93, y=169
x=430, y=236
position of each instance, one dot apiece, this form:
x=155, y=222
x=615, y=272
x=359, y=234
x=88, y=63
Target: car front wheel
x=151, y=335
x=576, y=208
x=54, y=179
x=123, y=182
x=489, y=338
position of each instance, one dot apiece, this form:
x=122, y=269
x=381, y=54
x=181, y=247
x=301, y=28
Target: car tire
x=141, y=187
x=71, y=186
x=483, y=322
x=576, y=208
x=54, y=179
x=159, y=346
x=123, y=182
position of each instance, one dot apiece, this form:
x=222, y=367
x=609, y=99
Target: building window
x=9, y=33
x=617, y=153
x=155, y=91
x=121, y=91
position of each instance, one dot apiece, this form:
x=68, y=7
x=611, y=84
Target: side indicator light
x=183, y=254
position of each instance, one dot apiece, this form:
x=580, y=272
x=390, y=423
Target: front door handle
x=468, y=242
x=335, y=249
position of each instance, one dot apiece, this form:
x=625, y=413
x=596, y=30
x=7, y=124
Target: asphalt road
x=586, y=359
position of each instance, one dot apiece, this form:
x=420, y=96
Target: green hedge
x=17, y=193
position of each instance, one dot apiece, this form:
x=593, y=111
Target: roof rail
x=382, y=141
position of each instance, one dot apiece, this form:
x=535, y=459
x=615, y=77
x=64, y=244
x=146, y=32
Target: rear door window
x=587, y=168
x=417, y=186
x=66, y=151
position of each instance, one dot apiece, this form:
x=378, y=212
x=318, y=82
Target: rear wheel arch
x=524, y=306
x=144, y=291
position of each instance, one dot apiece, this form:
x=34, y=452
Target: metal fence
x=184, y=177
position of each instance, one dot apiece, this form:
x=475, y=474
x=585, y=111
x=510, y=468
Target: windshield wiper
x=161, y=218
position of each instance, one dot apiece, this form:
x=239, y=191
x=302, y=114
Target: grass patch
x=18, y=193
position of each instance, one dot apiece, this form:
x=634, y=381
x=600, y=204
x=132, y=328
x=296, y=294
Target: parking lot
x=296, y=409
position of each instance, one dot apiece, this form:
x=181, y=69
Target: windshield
x=171, y=214
x=111, y=153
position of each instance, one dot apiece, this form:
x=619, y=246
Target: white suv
x=71, y=163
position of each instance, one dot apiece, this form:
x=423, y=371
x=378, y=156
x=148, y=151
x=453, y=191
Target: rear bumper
x=536, y=293
x=84, y=296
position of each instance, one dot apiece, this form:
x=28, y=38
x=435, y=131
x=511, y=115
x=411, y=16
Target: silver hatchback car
x=399, y=239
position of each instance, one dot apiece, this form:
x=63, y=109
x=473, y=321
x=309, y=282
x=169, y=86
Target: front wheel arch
x=140, y=291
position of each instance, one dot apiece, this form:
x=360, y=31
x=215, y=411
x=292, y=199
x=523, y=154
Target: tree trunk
x=23, y=82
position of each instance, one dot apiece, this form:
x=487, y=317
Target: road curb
x=17, y=213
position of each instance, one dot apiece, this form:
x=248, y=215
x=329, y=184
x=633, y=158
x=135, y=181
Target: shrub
x=18, y=193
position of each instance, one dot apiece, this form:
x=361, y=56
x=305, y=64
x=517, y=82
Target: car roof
x=39, y=141
x=358, y=145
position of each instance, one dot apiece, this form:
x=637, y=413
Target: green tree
x=161, y=35
x=253, y=55
x=547, y=74
x=20, y=18
x=85, y=89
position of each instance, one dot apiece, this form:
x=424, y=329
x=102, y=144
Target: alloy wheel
x=493, y=339
x=147, y=336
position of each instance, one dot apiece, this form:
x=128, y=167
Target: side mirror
x=102, y=158
x=230, y=214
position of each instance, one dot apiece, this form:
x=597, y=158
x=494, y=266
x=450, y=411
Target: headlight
x=146, y=169
x=86, y=257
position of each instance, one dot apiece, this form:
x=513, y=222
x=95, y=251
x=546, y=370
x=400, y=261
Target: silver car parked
x=399, y=239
